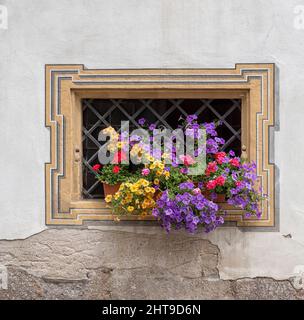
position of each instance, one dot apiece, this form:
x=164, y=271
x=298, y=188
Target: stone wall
x=94, y=264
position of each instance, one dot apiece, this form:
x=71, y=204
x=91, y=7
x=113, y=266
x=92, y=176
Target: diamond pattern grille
x=100, y=113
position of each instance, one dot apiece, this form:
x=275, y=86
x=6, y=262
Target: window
x=100, y=113
x=79, y=102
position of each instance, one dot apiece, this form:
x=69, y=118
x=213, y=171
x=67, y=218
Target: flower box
x=219, y=198
x=179, y=194
x=110, y=189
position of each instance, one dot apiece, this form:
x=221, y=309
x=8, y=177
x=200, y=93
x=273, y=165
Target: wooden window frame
x=66, y=85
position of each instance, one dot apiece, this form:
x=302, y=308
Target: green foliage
x=172, y=184
x=108, y=175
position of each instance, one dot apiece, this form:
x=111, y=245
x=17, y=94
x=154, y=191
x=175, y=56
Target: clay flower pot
x=220, y=198
x=110, y=189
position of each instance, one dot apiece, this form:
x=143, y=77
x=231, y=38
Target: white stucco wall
x=151, y=34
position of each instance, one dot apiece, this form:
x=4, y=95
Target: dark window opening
x=101, y=113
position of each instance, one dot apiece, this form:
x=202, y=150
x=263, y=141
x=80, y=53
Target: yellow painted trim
x=66, y=85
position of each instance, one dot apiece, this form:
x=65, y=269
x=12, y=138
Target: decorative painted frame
x=66, y=85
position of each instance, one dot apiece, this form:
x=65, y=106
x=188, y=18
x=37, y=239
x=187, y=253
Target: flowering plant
x=170, y=192
x=115, y=171
x=133, y=197
x=187, y=209
x=111, y=174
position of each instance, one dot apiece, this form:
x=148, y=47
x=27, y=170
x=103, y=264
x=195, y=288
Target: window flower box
x=180, y=193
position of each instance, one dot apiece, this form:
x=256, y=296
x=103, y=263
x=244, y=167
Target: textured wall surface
x=124, y=261
x=95, y=264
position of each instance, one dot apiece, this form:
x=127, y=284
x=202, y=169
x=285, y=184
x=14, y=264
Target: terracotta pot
x=220, y=198
x=110, y=189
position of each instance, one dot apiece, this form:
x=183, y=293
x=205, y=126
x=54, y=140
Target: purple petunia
x=191, y=118
x=152, y=126
x=186, y=210
x=186, y=185
x=141, y=121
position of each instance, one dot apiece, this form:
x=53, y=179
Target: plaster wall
x=152, y=34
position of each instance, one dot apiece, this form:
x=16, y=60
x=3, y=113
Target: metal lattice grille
x=100, y=113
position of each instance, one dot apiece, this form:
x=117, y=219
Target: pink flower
x=196, y=191
x=187, y=160
x=211, y=184
x=145, y=171
x=220, y=157
x=183, y=170
x=220, y=181
x=234, y=162
x=119, y=156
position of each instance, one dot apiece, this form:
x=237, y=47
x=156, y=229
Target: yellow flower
x=166, y=174
x=136, y=151
x=160, y=165
x=116, y=195
x=152, y=166
x=108, y=130
x=159, y=172
x=149, y=190
x=111, y=147
x=156, y=181
x=133, y=188
x=128, y=199
x=144, y=182
x=130, y=208
x=108, y=198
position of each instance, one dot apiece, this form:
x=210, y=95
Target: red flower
x=211, y=167
x=119, y=156
x=187, y=160
x=211, y=184
x=116, y=169
x=234, y=162
x=220, y=157
x=96, y=167
x=238, y=183
x=220, y=181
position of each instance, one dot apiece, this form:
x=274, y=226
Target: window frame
x=66, y=85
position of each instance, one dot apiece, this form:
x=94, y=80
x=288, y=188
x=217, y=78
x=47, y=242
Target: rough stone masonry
x=78, y=263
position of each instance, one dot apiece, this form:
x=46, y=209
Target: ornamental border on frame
x=66, y=85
